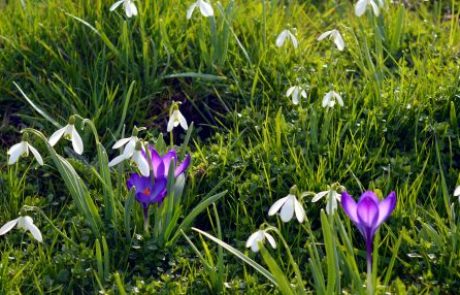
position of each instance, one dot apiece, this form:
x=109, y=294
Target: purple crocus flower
x=152, y=189
x=368, y=214
x=165, y=161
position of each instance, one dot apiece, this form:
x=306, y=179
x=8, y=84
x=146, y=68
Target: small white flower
x=259, y=236
x=22, y=149
x=330, y=99
x=128, y=5
x=129, y=143
x=23, y=222
x=69, y=132
x=136, y=155
x=205, y=9
x=457, y=192
x=287, y=206
x=286, y=34
x=332, y=198
x=334, y=35
x=175, y=119
x=361, y=6
x=295, y=92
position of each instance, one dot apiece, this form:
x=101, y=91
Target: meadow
x=229, y=147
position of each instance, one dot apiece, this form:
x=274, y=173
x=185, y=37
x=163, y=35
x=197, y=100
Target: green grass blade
x=240, y=255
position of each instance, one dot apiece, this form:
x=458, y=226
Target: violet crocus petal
x=386, y=207
x=183, y=166
x=167, y=158
x=143, y=187
x=132, y=180
x=156, y=160
x=370, y=194
x=138, y=181
x=159, y=191
x=160, y=171
x=368, y=213
x=349, y=207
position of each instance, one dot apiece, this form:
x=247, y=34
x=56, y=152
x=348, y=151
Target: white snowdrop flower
x=259, y=236
x=296, y=92
x=135, y=153
x=287, y=207
x=130, y=145
x=361, y=5
x=23, y=222
x=141, y=162
x=286, y=34
x=175, y=119
x=128, y=5
x=332, y=197
x=69, y=132
x=330, y=99
x=22, y=149
x=335, y=36
x=205, y=9
x=457, y=192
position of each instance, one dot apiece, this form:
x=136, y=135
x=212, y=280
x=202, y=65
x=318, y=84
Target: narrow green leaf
x=278, y=273
x=240, y=255
x=194, y=213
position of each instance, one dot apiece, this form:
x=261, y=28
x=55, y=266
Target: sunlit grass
x=397, y=130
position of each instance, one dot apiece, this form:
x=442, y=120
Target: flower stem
x=146, y=219
x=370, y=289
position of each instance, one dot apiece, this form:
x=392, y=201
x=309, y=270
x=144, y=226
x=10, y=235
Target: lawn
x=229, y=147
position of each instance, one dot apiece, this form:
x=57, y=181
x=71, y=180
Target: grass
x=398, y=76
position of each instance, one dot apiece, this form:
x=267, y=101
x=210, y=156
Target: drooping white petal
x=190, y=10
x=8, y=226
x=290, y=90
x=117, y=160
x=255, y=246
x=254, y=240
x=182, y=121
x=303, y=93
x=293, y=38
x=77, y=143
x=287, y=211
x=54, y=138
x=270, y=239
x=337, y=196
x=338, y=97
x=375, y=7
x=331, y=205
x=251, y=239
x=16, y=151
x=324, y=35
x=29, y=225
x=299, y=211
x=142, y=163
x=205, y=8
x=295, y=96
x=36, y=154
x=319, y=195
x=281, y=38
x=457, y=191
x=170, y=126
x=360, y=7
x=277, y=206
x=14, y=148
x=121, y=142
x=116, y=4
x=130, y=147
x=327, y=100
x=338, y=40
x=130, y=8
